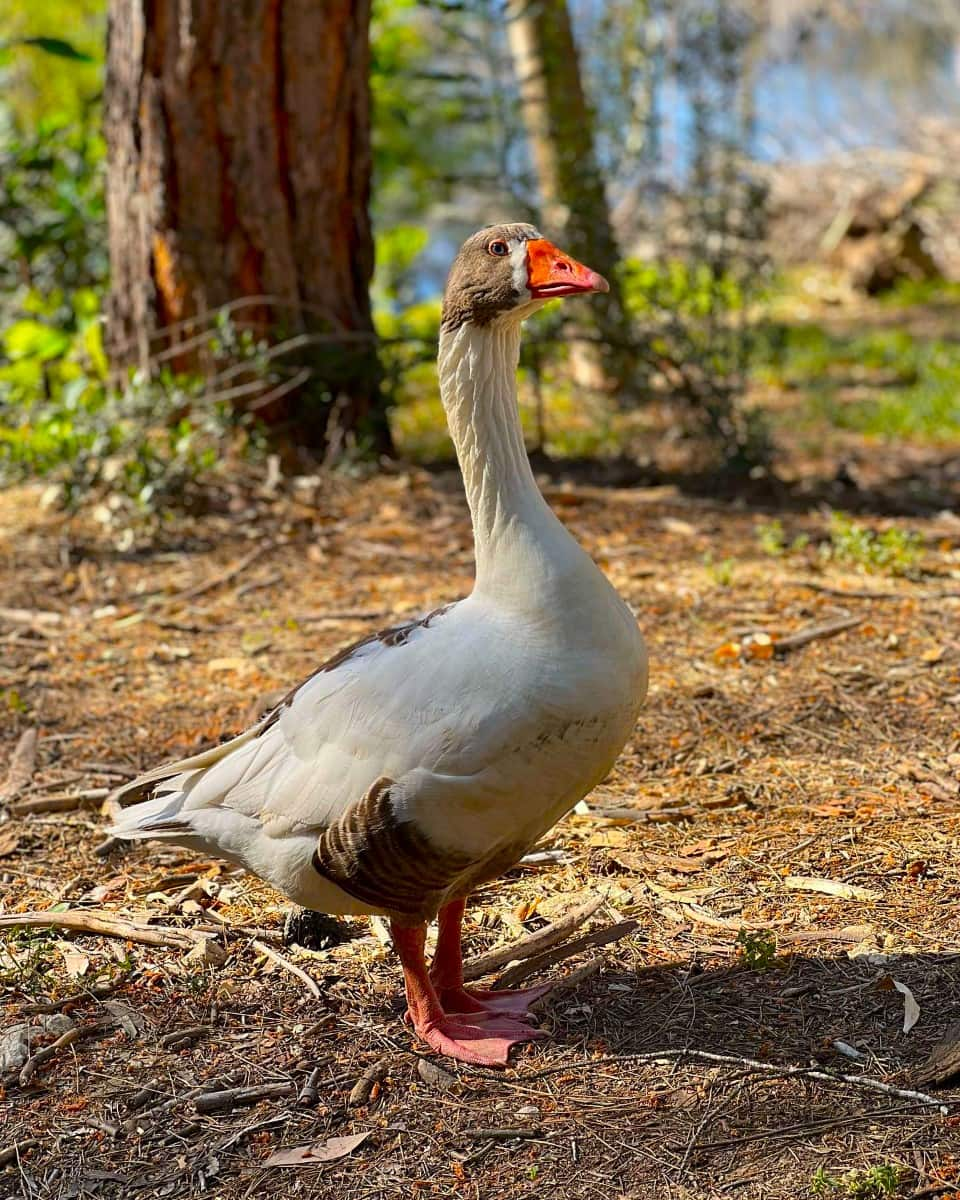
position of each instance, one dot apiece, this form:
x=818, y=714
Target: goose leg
x=447, y=975
x=486, y=1043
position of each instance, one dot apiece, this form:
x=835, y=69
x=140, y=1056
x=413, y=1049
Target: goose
x=428, y=758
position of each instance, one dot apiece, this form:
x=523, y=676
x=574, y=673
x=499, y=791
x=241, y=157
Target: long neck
x=515, y=532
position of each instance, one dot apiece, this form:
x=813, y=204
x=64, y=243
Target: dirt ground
x=802, y=798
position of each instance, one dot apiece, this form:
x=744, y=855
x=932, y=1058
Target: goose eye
x=498, y=249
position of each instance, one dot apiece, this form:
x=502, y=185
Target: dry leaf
x=729, y=652
x=216, y=665
x=693, y=893
x=911, y=1009
x=318, y=1152
x=9, y=841
x=75, y=961
x=831, y=887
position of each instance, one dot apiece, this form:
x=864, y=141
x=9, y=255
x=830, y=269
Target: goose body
x=429, y=757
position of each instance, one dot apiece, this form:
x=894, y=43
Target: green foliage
x=773, y=540
x=720, y=571
x=872, y=1184
x=697, y=336
x=55, y=46
x=896, y=551
x=46, y=76
x=916, y=381
x=758, y=948
x=52, y=222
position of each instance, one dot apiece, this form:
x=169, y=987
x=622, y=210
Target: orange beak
x=551, y=273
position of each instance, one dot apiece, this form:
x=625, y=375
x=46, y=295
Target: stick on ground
x=532, y=944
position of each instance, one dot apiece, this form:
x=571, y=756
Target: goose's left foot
x=447, y=975
x=509, y=1003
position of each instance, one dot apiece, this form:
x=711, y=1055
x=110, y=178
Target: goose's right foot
x=483, y=1038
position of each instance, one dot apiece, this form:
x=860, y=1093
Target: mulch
x=778, y=841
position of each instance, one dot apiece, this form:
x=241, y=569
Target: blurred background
x=224, y=231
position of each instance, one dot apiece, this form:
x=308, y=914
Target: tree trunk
x=238, y=137
x=559, y=125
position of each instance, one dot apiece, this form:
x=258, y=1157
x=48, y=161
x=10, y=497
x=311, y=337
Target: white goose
x=430, y=757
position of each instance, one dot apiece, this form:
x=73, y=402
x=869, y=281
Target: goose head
x=506, y=272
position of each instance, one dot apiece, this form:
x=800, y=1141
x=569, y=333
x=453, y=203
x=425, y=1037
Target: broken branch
x=532, y=944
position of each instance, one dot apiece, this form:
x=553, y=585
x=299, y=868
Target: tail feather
x=145, y=786
x=152, y=818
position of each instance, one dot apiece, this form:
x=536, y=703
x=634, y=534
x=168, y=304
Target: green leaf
x=55, y=46
x=32, y=339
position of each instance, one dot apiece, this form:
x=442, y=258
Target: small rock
x=14, y=1048
x=209, y=952
x=433, y=1075
x=528, y=1110
x=56, y=1023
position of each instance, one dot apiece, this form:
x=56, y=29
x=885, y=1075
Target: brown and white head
x=507, y=272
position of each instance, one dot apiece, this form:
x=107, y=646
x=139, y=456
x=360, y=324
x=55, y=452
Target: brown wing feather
x=386, y=862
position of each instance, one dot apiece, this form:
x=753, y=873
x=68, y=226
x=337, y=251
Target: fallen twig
x=176, y=1039
x=9, y=1154
x=60, y=802
x=844, y=593
x=750, y=1064
x=22, y=762
x=813, y=633
x=30, y=616
x=223, y=577
x=568, y=983
x=533, y=943
x=600, y=937
x=526, y=1132
x=363, y=1088
x=209, y=1102
x=304, y=978
x=138, y=1122
x=105, y=924
x=35, y=1061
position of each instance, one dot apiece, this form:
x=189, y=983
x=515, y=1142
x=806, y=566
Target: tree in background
x=239, y=174
x=560, y=132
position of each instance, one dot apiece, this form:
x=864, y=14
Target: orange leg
x=447, y=975
x=486, y=1043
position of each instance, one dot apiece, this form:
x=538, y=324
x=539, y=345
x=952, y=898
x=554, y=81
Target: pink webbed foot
x=508, y=1003
x=485, y=1043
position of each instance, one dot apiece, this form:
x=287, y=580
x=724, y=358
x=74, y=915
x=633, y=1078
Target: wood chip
x=831, y=887
x=22, y=763
x=943, y=1063
x=363, y=1088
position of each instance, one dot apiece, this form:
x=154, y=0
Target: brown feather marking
x=387, y=863
x=480, y=286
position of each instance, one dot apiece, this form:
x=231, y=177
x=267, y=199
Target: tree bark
x=560, y=132
x=238, y=136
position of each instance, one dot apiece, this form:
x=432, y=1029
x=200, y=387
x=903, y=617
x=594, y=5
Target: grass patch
x=916, y=380
x=894, y=551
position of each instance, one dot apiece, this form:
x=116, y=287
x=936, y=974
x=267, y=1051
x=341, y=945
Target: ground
x=776, y=846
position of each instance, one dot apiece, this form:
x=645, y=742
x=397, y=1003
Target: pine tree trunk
x=560, y=133
x=239, y=166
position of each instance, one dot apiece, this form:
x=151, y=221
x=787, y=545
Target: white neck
x=518, y=539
